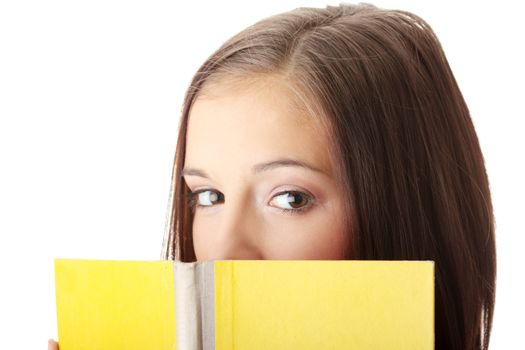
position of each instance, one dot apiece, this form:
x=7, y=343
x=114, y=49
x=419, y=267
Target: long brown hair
x=404, y=146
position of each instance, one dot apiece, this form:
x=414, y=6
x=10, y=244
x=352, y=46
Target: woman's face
x=261, y=178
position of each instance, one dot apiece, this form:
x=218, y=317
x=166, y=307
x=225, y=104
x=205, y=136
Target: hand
x=52, y=345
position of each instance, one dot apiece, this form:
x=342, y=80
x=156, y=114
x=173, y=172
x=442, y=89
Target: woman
x=349, y=118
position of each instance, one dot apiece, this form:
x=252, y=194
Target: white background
x=90, y=98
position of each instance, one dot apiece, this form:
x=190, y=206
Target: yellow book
x=244, y=304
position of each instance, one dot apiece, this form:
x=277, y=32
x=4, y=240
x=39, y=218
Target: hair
x=404, y=147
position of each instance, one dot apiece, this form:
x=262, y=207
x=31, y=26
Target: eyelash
x=192, y=198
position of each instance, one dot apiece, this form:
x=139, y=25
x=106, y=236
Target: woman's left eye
x=293, y=202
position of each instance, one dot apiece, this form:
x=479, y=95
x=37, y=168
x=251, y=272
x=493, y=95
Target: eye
x=204, y=198
x=293, y=202
x=288, y=202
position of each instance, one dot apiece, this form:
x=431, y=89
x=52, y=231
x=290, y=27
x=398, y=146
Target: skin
x=244, y=214
x=232, y=128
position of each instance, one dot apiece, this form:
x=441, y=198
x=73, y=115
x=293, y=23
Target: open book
x=245, y=304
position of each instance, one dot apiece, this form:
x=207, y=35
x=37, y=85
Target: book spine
x=206, y=288
x=194, y=305
x=187, y=307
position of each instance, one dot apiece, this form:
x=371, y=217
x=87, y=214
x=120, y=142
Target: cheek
x=200, y=241
x=317, y=236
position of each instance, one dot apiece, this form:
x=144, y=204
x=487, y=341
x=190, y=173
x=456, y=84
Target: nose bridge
x=237, y=231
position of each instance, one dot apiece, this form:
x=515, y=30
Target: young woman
x=338, y=133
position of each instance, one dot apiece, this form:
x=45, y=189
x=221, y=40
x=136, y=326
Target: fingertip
x=52, y=345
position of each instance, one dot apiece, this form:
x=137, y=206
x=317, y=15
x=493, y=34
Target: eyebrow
x=261, y=167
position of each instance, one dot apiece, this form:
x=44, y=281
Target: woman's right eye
x=204, y=198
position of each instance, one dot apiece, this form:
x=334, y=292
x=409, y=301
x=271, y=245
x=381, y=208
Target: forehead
x=243, y=124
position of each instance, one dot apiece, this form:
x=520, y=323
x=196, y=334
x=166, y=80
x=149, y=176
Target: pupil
x=216, y=196
x=295, y=202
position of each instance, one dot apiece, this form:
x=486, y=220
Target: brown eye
x=292, y=200
x=205, y=198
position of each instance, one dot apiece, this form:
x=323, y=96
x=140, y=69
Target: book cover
x=245, y=304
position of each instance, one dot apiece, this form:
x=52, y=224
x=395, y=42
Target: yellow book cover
x=244, y=304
